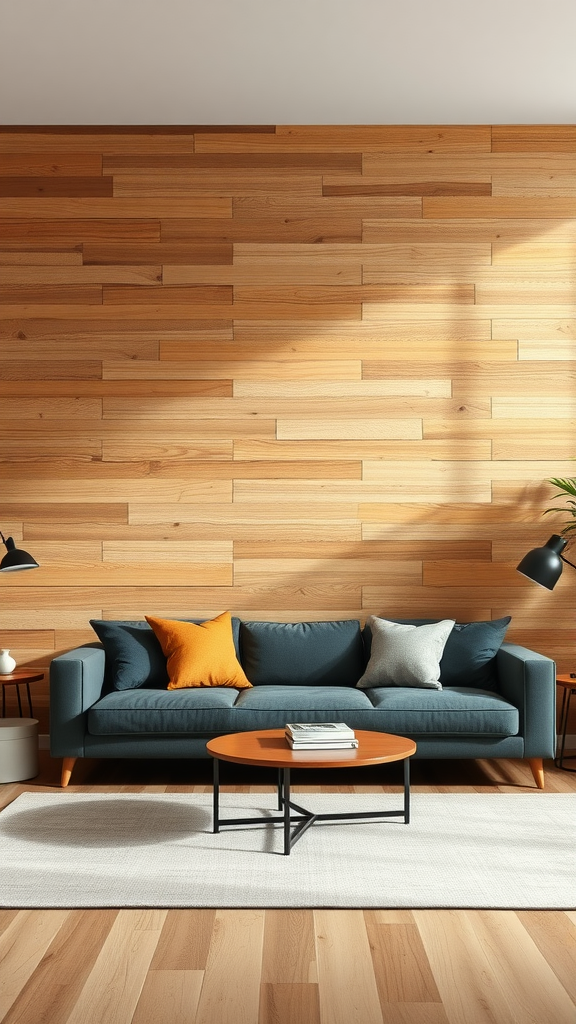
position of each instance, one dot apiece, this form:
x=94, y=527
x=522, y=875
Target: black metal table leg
x=294, y=825
x=286, y=801
x=216, y=794
x=19, y=700
x=29, y=700
x=564, y=715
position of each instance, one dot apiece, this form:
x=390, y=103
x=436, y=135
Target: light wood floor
x=288, y=966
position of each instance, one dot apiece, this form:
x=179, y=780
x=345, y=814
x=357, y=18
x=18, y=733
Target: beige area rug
x=496, y=851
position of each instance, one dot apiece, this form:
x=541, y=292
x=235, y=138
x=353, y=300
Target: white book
x=332, y=745
x=320, y=740
x=319, y=730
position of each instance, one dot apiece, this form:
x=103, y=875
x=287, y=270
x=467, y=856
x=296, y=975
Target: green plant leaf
x=566, y=490
x=567, y=486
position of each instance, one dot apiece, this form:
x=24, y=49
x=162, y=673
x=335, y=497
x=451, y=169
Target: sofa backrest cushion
x=469, y=657
x=134, y=656
x=302, y=653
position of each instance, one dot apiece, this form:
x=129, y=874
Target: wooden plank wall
x=296, y=372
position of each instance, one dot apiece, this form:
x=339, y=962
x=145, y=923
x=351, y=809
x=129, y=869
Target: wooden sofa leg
x=537, y=769
x=67, y=766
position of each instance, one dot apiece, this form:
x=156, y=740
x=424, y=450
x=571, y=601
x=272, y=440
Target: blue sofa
x=111, y=700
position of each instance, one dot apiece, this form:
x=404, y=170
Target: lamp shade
x=544, y=565
x=15, y=558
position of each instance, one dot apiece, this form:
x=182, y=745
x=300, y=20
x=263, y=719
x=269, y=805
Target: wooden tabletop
x=567, y=681
x=270, y=748
x=22, y=675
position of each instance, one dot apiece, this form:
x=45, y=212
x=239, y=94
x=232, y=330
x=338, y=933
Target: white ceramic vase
x=7, y=663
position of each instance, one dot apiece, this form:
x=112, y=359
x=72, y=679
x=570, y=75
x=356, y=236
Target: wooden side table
x=19, y=677
x=568, y=684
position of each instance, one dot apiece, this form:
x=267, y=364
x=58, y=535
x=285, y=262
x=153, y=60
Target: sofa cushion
x=326, y=701
x=207, y=711
x=454, y=710
x=134, y=656
x=271, y=707
x=200, y=654
x=302, y=653
x=469, y=657
x=152, y=712
x=405, y=655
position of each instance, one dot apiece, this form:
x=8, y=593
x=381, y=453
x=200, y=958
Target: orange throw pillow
x=200, y=654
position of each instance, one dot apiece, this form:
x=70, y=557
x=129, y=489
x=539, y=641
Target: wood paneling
x=533, y=138
x=45, y=164
x=236, y=182
x=496, y=206
x=158, y=163
x=69, y=209
x=362, y=138
x=27, y=275
x=376, y=186
x=33, y=232
x=56, y=186
x=115, y=254
x=294, y=371
x=301, y=227
x=249, y=370
x=492, y=227
x=557, y=257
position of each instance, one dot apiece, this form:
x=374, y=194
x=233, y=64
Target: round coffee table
x=269, y=748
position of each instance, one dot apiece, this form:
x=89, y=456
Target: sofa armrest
x=528, y=680
x=76, y=682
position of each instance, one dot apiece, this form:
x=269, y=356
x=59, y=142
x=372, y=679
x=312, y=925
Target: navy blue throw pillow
x=469, y=657
x=302, y=653
x=134, y=657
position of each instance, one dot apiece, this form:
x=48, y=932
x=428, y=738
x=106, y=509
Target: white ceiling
x=287, y=61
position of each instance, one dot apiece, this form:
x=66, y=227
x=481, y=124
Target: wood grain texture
x=113, y=254
x=56, y=186
x=170, y=164
x=361, y=138
x=491, y=227
x=497, y=206
x=68, y=209
x=264, y=367
x=533, y=138
x=292, y=371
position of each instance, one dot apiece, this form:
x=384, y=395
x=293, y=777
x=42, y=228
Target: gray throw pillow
x=405, y=655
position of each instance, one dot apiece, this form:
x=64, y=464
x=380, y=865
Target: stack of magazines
x=320, y=736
